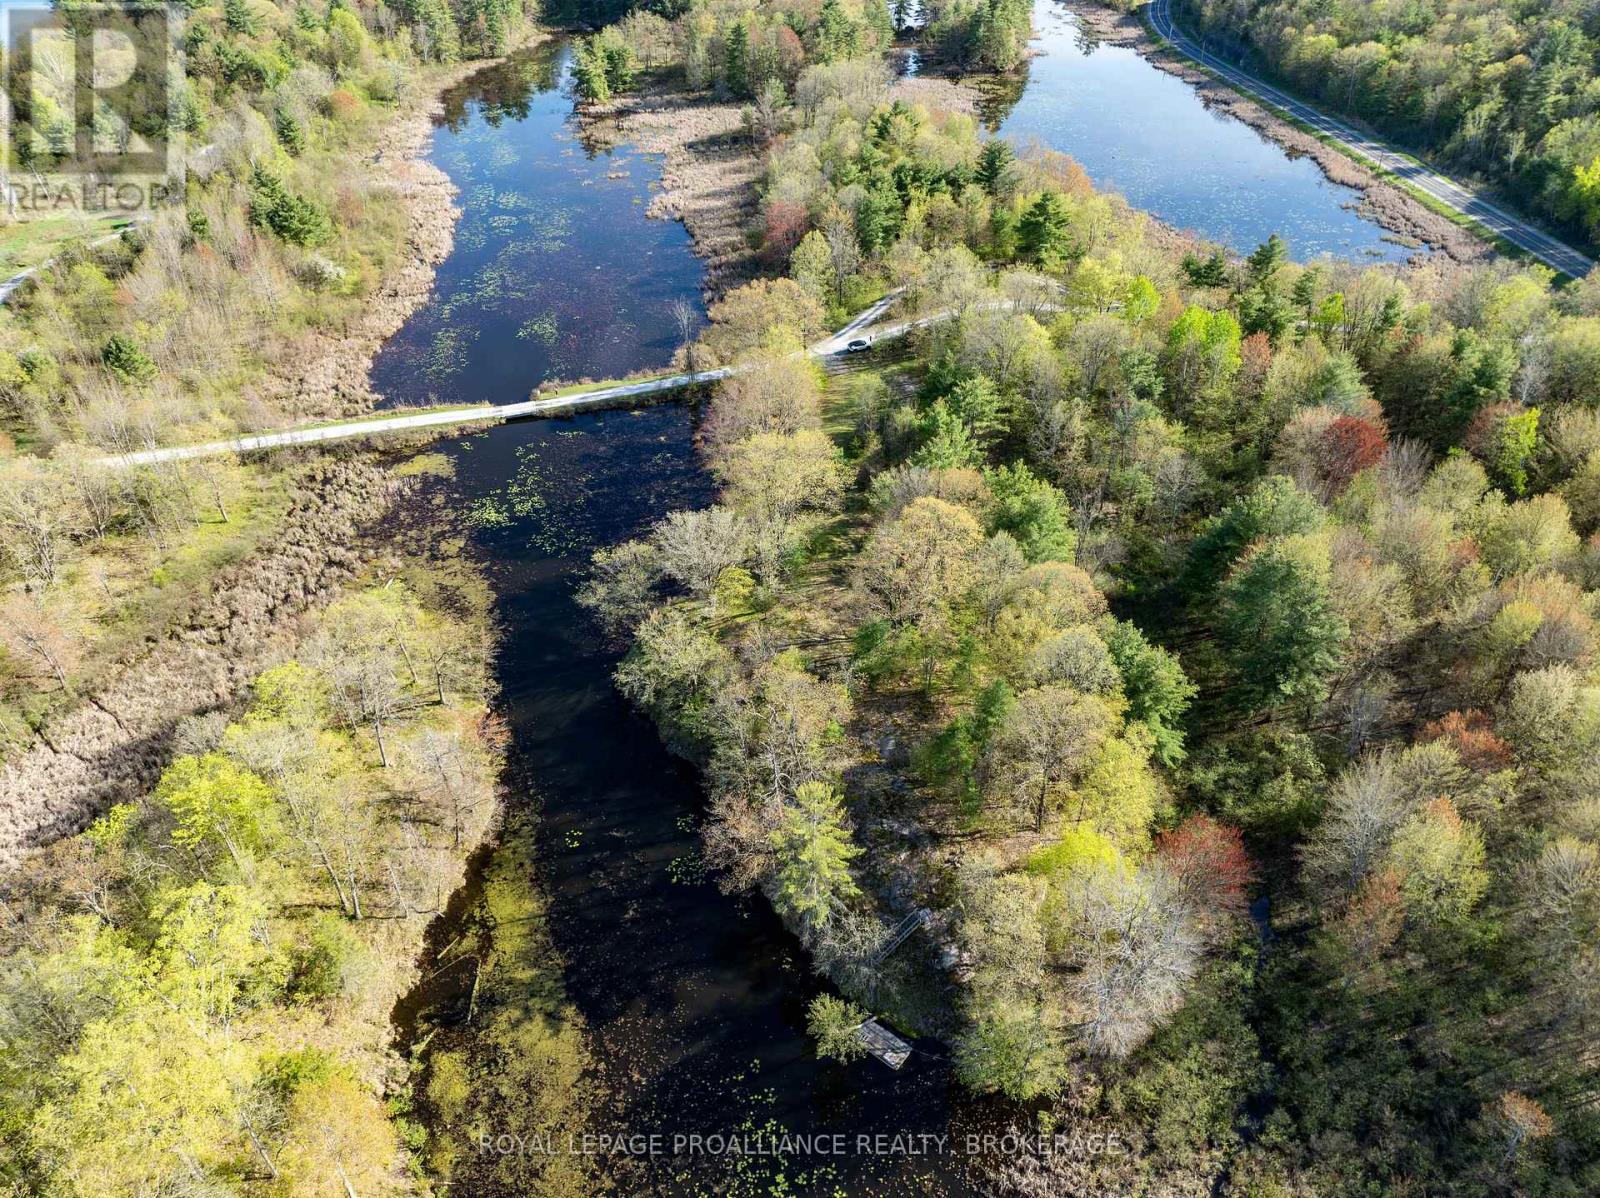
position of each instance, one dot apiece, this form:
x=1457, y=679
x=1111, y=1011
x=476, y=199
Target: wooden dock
x=883, y=1044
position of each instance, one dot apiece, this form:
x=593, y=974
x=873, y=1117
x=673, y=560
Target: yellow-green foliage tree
x=222, y=1009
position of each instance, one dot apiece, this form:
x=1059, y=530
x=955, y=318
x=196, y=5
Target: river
x=695, y=1001
x=1144, y=133
x=555, y=271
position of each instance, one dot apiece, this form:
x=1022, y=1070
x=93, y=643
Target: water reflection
x=556, y=273
x=908, y=15
x=501, y=92
x=694, y=1001
x=1147, y=134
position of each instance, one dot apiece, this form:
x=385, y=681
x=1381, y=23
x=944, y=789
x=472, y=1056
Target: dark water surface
x=556, y=273
x=695, y=1001
x=1146, y=134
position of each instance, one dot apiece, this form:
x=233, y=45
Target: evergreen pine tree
x=814, y=852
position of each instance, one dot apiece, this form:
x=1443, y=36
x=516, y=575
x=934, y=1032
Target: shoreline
x=336, y=380
x=112, y=744
x=1385, y=204
x=353, y=519
x=709, y=170
x=710, y=166
x=72, y=767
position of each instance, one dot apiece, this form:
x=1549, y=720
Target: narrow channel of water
x=695, y=1001
x=1146, y=134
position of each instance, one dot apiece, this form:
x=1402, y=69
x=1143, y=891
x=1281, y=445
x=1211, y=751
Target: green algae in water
x=772, y=1176
x=548, y=502
x=448, y=353
x=457, y=163
x=513, y=201
x=541, y=328
x=552, y=230
x=519, y=250
x=689, y=869
x=488, y=512
x=505, y=281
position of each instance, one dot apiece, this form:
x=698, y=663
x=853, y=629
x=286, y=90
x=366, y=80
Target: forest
x=1207, y=641
x=235, y=310
x=758, y=51
x=226, y=951
x=1506, y=92
x=245, y=751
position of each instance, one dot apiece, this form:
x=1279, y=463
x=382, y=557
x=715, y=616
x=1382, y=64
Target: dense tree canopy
x=1507, y=91
x=1340, y=513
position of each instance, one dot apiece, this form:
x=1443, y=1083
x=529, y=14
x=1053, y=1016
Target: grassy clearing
x=162, y=583
x=28, y=243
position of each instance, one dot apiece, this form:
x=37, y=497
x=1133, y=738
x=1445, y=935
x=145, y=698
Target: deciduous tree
x=1047, y=739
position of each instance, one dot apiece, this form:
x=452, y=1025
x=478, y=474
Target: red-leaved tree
x=1209, y=859
x=1255, y=355
x=1349, y=446
x=1469, y=732
x=791, y=54
x=785, y=226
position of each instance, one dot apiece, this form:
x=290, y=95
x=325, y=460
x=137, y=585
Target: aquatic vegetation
x=539, y=328
x=447, y=355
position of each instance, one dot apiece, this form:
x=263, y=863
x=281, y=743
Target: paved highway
x=1554, y=253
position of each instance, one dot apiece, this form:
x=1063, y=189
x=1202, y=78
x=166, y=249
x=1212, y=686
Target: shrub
x=833, y=1022
x=1077, y=847
x=321, y=273
x=323, y=962
x=342, y=104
